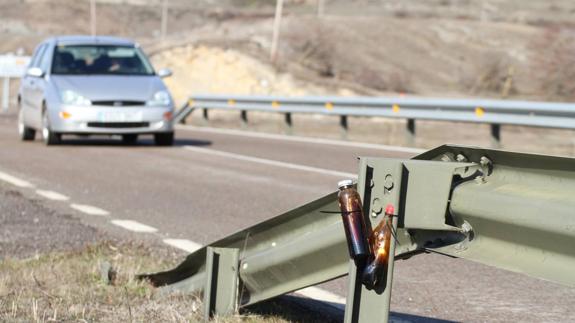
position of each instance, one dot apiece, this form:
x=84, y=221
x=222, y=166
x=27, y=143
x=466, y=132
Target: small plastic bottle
x=353, y=222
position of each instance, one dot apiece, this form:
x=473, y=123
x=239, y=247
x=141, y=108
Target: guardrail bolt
x=388, y=183
x=486, y=164
x=447, y=157
x=461, y=158
x=466, y=227
x=376, y=207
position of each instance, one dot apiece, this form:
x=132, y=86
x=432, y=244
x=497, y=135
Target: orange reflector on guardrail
x=479, y=111
x=231, y=102
x=275, y=104
x=395, y=108
x=329, y=106
x=190, y=102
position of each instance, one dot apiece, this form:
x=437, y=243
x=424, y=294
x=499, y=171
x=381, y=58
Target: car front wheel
x=50, y=137
x=164, y=139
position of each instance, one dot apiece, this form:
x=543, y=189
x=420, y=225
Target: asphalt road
x=213, y=183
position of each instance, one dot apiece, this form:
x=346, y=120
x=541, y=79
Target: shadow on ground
x=113, y=142
x=299, y=309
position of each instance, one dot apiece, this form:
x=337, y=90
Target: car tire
x=130, y=139
x=49, y=136
x=26, y=133
x=164, y=139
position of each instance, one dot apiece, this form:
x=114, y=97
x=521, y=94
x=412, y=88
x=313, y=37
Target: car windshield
x=100, y=60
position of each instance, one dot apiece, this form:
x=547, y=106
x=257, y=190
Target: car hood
x=110, y=87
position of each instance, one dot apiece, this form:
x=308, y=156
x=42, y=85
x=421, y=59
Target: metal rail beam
x=493, y=112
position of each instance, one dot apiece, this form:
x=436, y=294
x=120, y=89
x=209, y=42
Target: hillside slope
x=492, y=48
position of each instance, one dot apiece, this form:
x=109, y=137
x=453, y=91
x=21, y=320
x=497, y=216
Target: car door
x=28, y=93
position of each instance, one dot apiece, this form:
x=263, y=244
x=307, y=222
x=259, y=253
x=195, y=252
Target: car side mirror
x=165, y=72
x=35, y=72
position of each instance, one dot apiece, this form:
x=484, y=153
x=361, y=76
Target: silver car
x=83, y=85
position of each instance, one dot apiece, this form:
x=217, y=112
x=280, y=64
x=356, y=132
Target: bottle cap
x=344, y=183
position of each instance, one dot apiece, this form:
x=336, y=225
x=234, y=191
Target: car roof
x=90, y=40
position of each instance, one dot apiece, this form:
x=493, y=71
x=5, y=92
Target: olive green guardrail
x=509, y=210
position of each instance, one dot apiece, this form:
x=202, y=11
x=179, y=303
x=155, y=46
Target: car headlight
x=160, y=98
x=71, y=97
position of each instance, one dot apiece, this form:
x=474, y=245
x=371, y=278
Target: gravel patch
x=27, y=228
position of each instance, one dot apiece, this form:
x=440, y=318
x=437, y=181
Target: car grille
x=118, y=103
x=118, y=124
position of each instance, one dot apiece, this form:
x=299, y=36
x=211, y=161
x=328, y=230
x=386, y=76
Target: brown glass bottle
x=380, y=241
x=353, y=223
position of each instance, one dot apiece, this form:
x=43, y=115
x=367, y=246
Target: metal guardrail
x=493, y=112
x=509, y=210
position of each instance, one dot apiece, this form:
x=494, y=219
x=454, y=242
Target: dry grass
x=69, y=287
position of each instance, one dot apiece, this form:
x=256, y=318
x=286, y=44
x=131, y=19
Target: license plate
x=120, y=116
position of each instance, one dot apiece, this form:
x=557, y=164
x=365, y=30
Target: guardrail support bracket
x=181, y=114
x=222, y=282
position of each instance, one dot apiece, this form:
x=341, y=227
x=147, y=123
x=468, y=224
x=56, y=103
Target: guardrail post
x=343, y=126
x=410, y=132
x=495, y=135
x=288, y=124
x=6, y=94
x=244, y=117
x=205, y=116
x=363, y=305
x=222, y=282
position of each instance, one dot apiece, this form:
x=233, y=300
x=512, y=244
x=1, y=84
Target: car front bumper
x=111, y=120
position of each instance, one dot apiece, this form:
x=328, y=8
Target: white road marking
x=134, y=226
x=51, y=195
x=324, y=296
x=271, y=162
x=303, y=139
x=14, y=180
x=88, y=209
x=183, y=244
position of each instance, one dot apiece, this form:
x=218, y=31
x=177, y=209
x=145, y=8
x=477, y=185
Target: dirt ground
x=28, y=229
x=209, y=69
